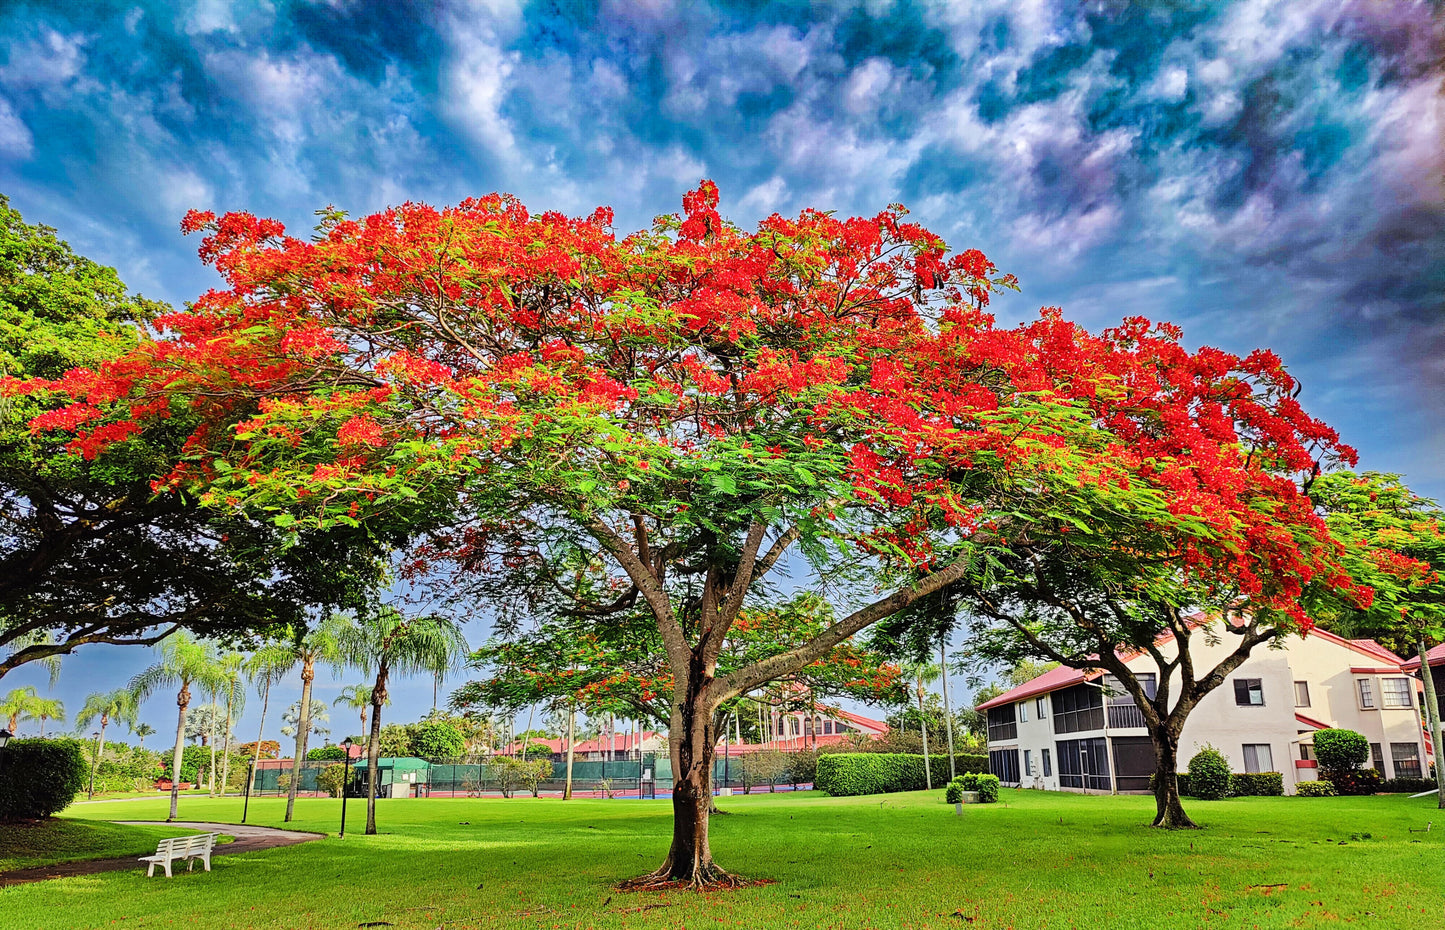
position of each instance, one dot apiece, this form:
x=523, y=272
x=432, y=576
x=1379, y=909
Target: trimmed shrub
x=1209, y=774
x=986, y=785
x=40, y=777
x=988, y=789
x=1341, y=750
x=1406, y=785
x=1256, y=784
x=326, y=754
x=1314, y=789
x=1358, y=782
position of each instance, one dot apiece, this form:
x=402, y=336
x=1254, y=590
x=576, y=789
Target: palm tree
x=19, y=705
x=947, y=705
x=119, y=704
x=233, y=666
x=315, y=717
x=142, y=730
x=47, y=709
x=921, y=673
x=266, y=667
x=320, y=645
x=388, y=642
x=184, y=662
x=358, y=698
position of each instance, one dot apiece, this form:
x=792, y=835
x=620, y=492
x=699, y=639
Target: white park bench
x=181, y=849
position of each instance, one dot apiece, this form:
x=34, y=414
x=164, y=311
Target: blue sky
x=1263, y=173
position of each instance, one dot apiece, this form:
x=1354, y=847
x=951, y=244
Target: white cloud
x=15, y=138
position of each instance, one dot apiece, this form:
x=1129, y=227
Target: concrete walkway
x=248, y=838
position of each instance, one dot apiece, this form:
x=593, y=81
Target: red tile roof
x=1311, y=722
x=1052, y=680
x=1435, y=657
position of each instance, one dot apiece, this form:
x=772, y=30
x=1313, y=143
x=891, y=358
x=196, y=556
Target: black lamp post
x=91, y=794
x=4, y=738
x=345, y=783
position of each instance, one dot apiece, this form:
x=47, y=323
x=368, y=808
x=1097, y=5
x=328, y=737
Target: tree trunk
x=373, y=748
x=571, y=734
x=226, y=750
x=1169, y=811
x=923, y=729
x=692, y=740
x=947, y=710
x=303, y=726
x=183, y=700
x=99, y=748
x=211, y=770
x=1432, y=720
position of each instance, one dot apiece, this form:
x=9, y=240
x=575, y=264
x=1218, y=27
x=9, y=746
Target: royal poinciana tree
x=1226, y=441
x=620, y=667
x=695, y=407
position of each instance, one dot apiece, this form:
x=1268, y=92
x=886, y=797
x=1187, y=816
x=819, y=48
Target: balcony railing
x=1122, y=716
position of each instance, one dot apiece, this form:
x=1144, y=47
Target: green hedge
x=1256, y=785
x=845, y=774
x=1406, y=785
x=40, y=777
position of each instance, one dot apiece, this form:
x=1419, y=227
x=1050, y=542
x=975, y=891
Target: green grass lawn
x=70, y=840
x=1035, y=860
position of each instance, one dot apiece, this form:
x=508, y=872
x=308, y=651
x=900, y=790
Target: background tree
x=20, y=704
x=320, y=645
x=1394, y=541
x=119, y=704
x=184, y=662
x=43, y=709
x=386, y=642
x=266, y=667
x=316, y=718
x=141, y=731
x=358, y=698
x=233, y=666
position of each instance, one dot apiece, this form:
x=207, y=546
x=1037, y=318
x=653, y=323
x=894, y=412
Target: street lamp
x=345, y=783
x=91, y=794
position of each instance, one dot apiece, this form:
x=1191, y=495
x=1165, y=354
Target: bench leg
x=206, y=859
x=150, y=870
x=190, y=864
x=167, y=867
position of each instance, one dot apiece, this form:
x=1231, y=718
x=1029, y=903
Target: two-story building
x=1080, y=731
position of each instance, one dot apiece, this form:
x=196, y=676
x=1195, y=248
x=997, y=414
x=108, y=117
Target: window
x=1301, y=694
x=1028, y=762
x=1118, y=694
x=1407, y=759
x=1048, y=764
x=1395, y=691
x=1307, y=752
x=1378, y=755
x=1041, y=705
x=1023, y=712
x=1258, y=758
x=1248, y=692
x=1005, y=764
x=1001, y=725
x=1084, y=763
x=1078, y=709
x=1367, y=694
x=827, y=727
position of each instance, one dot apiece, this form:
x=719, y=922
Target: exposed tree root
x=704, y=878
